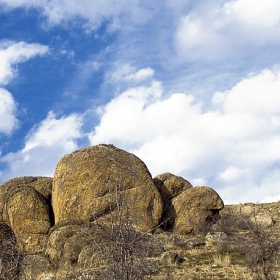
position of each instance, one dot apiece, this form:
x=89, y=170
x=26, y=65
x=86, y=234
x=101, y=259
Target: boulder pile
x=95, y=187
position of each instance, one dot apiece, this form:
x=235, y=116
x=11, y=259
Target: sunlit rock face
x=91, y=182
x=170, y=185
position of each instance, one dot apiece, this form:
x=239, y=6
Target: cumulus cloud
x=232, y=145
x=230, y=30
x=127, y=109
x=12, y=53
x=44, y=146
x=7, y=112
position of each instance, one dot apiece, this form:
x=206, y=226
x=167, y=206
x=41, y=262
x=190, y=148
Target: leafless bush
x=253, y=239
x=10, y=256
x=124, y=248
x=206, y=225
x=231, y=222
x=261, y=249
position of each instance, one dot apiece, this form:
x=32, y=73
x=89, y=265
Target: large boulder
x=170, y=185
x=27, y=211
x=192, y=209
x=103, y=180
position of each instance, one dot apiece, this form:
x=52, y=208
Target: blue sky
x=190, y=87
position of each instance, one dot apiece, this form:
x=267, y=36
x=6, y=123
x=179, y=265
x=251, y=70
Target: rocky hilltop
x=101, y=199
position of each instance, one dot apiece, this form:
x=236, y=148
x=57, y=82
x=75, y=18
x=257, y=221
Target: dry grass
x=222, y=260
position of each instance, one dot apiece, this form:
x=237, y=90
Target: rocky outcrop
x=92, y=183
x=188, y=211
x=170, y=185
x=101, y=199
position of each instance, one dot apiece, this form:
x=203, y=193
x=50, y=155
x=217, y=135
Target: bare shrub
x=230, y=222
x=10, y=256
x=123, y=247
x=253, y=239
x=124, y=250
x=261, y=248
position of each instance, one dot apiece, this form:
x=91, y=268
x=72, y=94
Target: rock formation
x=61, y=222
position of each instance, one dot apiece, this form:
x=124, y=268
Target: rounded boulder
x=101, y=180
x=193, y=209
x=24, y=207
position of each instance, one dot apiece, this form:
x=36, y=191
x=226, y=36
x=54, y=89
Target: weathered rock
x=27, y=211
x=170, y=185
x=75, y=246
x=93, y=182
x=58, y=236
x=171, y=258
x=89, y=257
x=188, y=211
x=42, y=185
x=264, y=220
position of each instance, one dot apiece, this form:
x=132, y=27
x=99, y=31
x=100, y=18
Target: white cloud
x=127, y=73
x=140, y=75
x=54, y=131
x=232, y=174
x=228, y=31
x=7, y=112
x=265, y=13
x=262, y=190
x=256, y=94
x=233, y=145
x=196, y=30
x=61, y=11
x=124, y=115
x=12, y=53
x=44, y=146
